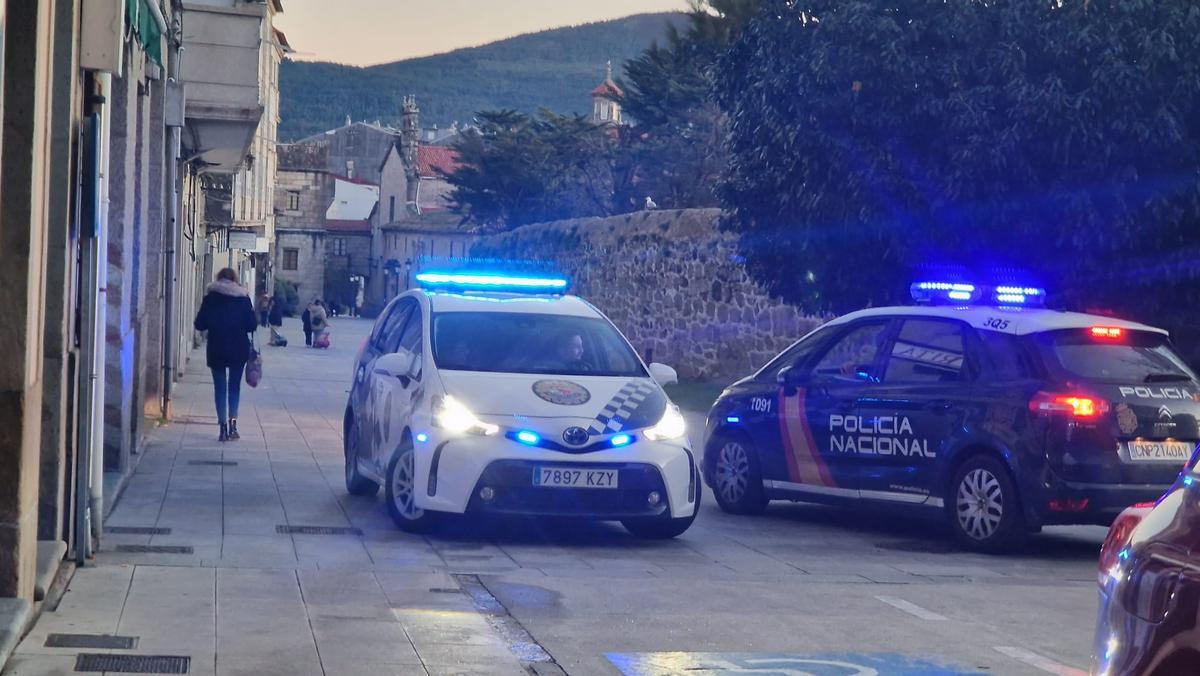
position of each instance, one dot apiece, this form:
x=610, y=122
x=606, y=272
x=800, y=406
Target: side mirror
x=396, y=365
x=663, y=374
x=789, y=379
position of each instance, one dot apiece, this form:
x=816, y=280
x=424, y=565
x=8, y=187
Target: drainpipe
x=101, y=326
x=169, y=286
x=89, y=498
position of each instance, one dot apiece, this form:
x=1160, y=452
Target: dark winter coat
x=306, y=319
x=228, y=316
x=276, y=314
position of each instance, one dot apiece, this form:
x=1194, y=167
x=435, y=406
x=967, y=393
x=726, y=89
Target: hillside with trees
x=554, y=69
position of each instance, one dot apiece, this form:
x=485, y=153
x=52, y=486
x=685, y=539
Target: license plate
x=563, y=477
x=1160, y=451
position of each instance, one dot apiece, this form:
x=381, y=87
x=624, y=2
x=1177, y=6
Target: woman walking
x=228, y=316
x=318, y=318
x=275, y=317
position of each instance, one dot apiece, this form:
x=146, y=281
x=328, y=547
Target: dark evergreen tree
x=870, y=137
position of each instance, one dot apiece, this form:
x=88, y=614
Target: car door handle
x=939, y=406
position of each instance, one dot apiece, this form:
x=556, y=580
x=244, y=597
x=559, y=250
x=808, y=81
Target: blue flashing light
x=1020, y=295
x=733, y=419
x=422, y=437
x=928, y=292
x=529, y=438
x=491, y=282
x=1188, y=481
x=621, y=440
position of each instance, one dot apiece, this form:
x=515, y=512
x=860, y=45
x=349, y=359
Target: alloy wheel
x=733, y=471
x=403, y=486
x=980, y=504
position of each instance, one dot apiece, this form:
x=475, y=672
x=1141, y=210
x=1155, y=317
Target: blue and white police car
x=977, y=405
x=487, y=393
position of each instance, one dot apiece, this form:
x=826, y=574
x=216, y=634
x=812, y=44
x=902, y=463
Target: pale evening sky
x=365, y=32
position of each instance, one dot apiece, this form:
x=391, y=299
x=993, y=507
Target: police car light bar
x=491, y=282
x=1020, y=295
x=929, y=292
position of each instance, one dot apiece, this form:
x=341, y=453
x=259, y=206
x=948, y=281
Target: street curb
x=14, y=614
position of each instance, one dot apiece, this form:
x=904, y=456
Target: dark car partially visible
x=1149, y=621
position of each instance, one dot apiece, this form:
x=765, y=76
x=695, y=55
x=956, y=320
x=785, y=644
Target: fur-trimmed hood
x=228, y=288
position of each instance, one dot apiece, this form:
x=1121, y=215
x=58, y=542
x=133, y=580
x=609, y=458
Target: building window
x=291, y=259
x=392, y=209
x=339, y=247
x=293, y=203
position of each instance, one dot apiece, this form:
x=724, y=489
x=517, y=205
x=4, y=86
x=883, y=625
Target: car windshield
x=1140, y=357
x=505, y=342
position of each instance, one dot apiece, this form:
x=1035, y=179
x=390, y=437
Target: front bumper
x=451, y=471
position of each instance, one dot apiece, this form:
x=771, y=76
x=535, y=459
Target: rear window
x=1137, y=357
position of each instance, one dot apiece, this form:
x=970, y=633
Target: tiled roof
x=432, y=161
x=608, y=89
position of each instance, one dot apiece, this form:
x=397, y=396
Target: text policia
x=878, y=435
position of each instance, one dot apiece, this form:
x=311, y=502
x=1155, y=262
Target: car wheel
x=402, y=492
x=665, y=527
x=983, y=507
x=737, y=477
x=356, y=484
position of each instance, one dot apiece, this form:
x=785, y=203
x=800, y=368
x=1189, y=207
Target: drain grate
x=920, y=546
x=133, y=664
x=92, y=641
x=154, y=549
x=316, y=530
x=214, y=463
x=136, y=530
x=444, y=590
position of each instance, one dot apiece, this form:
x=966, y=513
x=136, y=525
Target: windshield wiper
x=1166, y=378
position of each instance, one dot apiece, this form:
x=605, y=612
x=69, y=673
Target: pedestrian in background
x=275, y=318
x=264, y=308
x=306, y=319
x=228, y=316
x=318, y=317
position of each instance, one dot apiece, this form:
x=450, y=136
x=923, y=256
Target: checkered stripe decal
x=617, y=412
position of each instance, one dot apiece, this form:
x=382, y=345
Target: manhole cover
x=93, y=641
x=214, y=463
x=317, y=530
x=136, y=530
x=920, y=546
x=133, y=664
x=154, y=549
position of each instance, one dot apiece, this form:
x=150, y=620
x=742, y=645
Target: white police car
x=977, y=406
x=485, y=393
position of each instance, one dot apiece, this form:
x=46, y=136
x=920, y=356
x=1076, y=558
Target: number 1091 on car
x=574, y=478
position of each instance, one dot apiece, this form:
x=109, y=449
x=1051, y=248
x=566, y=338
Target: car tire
x=736, y=475
x=356, y=484
x=402, y=493
x=983, y=507
x=665, y=527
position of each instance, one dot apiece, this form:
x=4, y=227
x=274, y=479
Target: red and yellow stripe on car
x=804, y=462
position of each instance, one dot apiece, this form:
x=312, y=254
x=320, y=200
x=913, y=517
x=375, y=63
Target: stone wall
x=671, y=282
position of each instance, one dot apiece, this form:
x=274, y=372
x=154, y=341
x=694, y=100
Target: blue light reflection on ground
x=781, y=664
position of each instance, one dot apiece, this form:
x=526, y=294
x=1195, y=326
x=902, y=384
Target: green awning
x=139, y=17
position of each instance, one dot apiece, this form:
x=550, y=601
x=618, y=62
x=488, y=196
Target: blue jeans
x=227, y=382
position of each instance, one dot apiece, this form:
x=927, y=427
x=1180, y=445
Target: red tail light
x=1119, y=535
x=1075, y=405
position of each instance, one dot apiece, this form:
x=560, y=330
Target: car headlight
x=671, y=426
x=451, y=415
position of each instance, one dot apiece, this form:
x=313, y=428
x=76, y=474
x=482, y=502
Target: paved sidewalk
x=236, y=595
